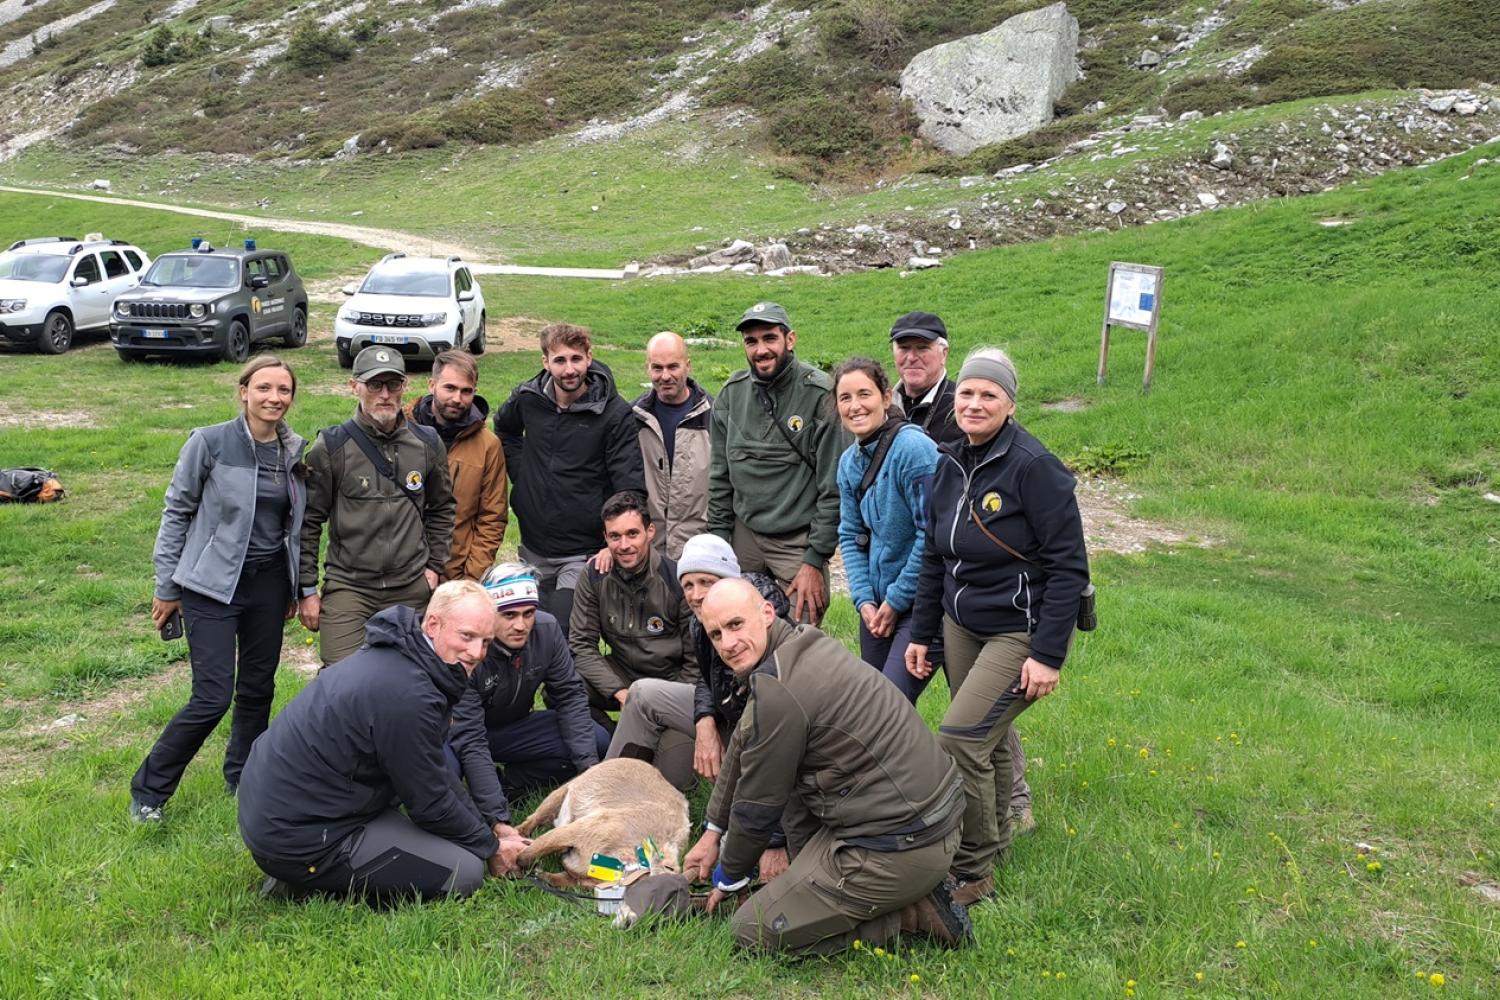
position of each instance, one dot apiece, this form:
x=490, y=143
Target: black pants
x=254, y=618
x=532, y=754
x=388, y=859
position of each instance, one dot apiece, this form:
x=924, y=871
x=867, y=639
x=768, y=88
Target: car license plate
x=389, y=338
x=155, y=334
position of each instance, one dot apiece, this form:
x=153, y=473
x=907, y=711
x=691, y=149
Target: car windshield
x=194, y=271
x=404, y=281
x=34, y=266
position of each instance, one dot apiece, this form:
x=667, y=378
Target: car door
x=118, y=277
x=278, y=304
x=90, y=296
x=260, y=295
x=467, y=308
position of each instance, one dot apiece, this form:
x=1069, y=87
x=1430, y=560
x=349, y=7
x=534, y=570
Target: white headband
x=513, y=591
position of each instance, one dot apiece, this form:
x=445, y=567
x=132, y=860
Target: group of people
x=673, y=571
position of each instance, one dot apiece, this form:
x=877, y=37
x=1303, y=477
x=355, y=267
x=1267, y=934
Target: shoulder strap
x=382, y=466
x=667, y=570
x=992, y=537
x=877, y=460
x=769, y=405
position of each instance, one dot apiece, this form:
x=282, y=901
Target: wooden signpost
x=1132, y=299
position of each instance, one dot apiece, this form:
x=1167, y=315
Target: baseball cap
x=919, y=324
x=378, y=360
x=764, y=312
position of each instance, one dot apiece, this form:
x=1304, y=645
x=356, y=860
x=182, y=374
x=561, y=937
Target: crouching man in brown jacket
x=830, y=751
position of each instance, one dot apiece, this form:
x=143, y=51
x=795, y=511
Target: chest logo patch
x=991, y=503
x=794, y=422
x=655, y=625
x=413, y=480
x=364, y=482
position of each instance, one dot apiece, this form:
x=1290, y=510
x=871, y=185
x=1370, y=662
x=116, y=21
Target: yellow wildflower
x=1240, y=945
x=1198, y=976
x=1436, y=979
x=1373, y=867
x=916, y=978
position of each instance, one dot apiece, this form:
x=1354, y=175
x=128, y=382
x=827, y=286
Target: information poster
x=1133, y=297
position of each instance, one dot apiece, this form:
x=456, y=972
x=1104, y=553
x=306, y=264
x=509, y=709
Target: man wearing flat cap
x=773, y=479
x=380, y=483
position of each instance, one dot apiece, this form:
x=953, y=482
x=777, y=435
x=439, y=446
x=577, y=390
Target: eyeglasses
x=386, y=385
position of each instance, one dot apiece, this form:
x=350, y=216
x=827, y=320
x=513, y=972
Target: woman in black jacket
x=1006, y=551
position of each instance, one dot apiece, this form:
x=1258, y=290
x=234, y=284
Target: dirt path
x=383, y=239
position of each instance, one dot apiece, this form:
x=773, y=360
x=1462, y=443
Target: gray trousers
x=834, y=892
x=346, y=610
x=387, y=859
x=556, y=581
x=658, y=717
x=777, y=556
x=983, y=674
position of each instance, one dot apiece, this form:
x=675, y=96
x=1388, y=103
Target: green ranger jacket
x=643, y=618
x=823, y=726
x=775, y=457
x=377, y=537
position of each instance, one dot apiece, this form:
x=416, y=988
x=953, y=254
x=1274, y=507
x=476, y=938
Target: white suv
x=421, y=306
x=53, y=286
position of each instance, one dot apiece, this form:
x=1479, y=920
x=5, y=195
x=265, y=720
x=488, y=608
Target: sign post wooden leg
x=1150, y=359
x=1103, y=351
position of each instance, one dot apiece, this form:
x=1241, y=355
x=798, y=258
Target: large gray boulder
x=995, y=86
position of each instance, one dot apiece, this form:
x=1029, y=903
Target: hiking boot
x=940, y=917
x=968, y=892
x=274, y=888
x=1021, y=821
x=144, y=814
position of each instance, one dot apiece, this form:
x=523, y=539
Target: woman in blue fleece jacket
x=881, y=529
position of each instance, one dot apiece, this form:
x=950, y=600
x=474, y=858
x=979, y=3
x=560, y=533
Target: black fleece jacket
x=564, y=464
x=366, y=736
x=503, y=692
x=1023, y=495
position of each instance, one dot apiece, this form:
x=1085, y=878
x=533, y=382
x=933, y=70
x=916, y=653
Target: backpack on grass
x=29, y=486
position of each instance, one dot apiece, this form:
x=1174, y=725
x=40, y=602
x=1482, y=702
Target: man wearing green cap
x=380, y=483
x=773, y=478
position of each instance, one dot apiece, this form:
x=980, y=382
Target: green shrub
x=1208, y=94
x=164, y=47
x=312, y=47
x=582, y=89
x=500, y=116
x=819, y=126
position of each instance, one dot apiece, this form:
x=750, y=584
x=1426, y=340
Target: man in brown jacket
x=830, y=751
x=638, y=608
x=476, y=462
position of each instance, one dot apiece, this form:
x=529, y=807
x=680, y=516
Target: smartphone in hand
x=172, y=628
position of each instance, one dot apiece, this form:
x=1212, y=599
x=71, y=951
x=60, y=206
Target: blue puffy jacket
x=892, y=515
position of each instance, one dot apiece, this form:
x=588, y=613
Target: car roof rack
x=455, y=259
x=36, y=241
x=399, y=254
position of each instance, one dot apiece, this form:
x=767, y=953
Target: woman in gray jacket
x=226, y=557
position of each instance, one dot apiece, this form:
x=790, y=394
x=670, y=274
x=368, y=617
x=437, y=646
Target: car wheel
x=57, y=333
x=237, y=344
x=346, y=360
x=297, y=336
x=476, y=346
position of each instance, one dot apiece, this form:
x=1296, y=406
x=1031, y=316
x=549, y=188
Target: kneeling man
x=319, y=794
x=832, y=751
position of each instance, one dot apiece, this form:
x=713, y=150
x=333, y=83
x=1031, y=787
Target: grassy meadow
x=1322, y=674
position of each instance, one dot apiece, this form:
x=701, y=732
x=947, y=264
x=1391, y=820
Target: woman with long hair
x=226, y=563
x=883, y=479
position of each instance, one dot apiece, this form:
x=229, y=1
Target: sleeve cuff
x=710, y=825
x=723, y=883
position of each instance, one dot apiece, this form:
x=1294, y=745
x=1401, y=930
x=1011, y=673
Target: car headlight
x=433, y=319
x=122, y=308
x=197, y=310
x=12, y=305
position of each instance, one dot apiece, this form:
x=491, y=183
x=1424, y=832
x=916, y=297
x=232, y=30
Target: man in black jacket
x=570, y=443
x=495, y=723
x=319, y=794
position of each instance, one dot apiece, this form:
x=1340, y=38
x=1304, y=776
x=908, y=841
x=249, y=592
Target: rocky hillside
x=333, y=77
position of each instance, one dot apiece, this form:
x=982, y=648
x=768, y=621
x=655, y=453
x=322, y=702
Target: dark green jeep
x=207, y=301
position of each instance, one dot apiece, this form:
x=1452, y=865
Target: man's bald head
x=668, y=367
x=738, y=622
